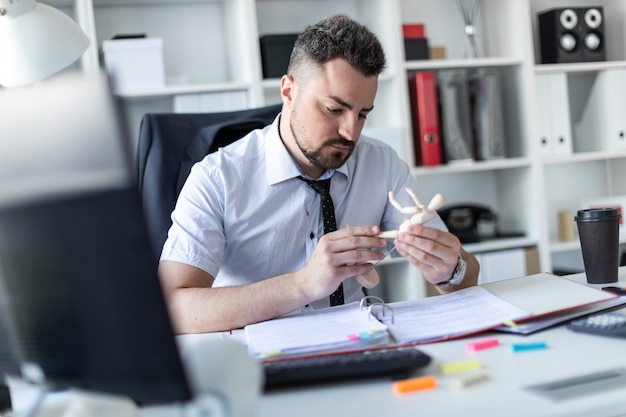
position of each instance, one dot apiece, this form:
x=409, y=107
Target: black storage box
x=416, y=48
x=275, y=53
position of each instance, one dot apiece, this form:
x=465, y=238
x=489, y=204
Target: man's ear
x=287, y=89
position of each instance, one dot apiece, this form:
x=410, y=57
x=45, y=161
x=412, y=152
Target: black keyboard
x=392, y=362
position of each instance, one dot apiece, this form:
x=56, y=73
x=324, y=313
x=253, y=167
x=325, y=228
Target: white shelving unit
x=212, y=46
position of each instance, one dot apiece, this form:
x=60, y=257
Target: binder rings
x=425, y=118
x=375, y=323
x=455, y=115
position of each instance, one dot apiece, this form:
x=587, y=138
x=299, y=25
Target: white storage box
x=135, y=64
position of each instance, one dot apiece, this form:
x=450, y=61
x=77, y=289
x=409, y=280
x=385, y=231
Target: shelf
x=114, y=3
x=183, y=89
x=500, y=244
x=570, y=245
x=461, y=63
x=574, y=245
x=578, y=67
x=583, y=157
x=473, y=166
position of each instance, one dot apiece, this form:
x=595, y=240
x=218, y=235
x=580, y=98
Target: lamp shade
x=37, y=41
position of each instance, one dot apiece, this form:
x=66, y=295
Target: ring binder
x=427, y=320
x=364, y=300
x=379, y=302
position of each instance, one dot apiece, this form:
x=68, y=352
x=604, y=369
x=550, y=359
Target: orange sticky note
x=414, y=384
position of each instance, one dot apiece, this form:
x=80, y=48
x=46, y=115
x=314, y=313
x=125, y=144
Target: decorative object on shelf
x=566, y=225
x=469, y=10
x=275, y=53
x=37, y=42
x=415, y=41
x=134, y=62
x=574, y=34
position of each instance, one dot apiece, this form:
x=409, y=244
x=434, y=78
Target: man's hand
x=339, y=255
x=432, y=251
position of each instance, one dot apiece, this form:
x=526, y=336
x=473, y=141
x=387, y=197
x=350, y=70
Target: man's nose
x=350, y=127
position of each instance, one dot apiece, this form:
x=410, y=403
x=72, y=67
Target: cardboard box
x=135, y=64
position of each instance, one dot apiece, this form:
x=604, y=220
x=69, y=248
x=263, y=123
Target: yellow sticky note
x=457, y=367
x=509, y=323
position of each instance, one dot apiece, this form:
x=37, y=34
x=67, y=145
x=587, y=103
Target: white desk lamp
x=37, y=41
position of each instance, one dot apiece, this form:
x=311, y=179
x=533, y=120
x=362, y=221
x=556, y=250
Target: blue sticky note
x=521, y=347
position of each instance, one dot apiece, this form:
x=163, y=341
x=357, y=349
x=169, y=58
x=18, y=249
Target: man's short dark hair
x=338, y=37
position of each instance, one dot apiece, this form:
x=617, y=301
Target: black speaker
x=574, y=34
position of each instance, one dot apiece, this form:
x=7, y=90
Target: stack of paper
x=337, y=328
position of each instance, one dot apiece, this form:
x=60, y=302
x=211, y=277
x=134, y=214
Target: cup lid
x=597, y=214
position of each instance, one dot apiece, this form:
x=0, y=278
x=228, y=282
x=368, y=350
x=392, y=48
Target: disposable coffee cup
x=598, y=231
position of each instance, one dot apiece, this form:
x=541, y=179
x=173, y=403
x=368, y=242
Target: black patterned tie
x=322, y=187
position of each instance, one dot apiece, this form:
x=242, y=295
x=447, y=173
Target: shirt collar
x=280, y=165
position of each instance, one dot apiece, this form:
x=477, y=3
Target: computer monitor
x=79, y=293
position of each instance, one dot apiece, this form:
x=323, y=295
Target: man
x=247, y=242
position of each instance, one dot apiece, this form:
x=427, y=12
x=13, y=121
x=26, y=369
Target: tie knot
x=321, y=186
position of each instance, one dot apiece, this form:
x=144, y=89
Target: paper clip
x=415, y=384
x=482, y=344
x=458, y=367
x=521, y=347
x=464, y=381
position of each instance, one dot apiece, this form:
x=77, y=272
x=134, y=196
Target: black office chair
x=170, y=143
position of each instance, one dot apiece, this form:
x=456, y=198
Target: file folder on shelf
x=487, y=114
x=455, y=115
x=555, y=132
x=602, y=126
x=425, y=118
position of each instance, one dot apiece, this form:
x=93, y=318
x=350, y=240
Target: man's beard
x=316, y=157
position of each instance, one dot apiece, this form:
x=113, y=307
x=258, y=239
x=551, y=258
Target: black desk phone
x=470, y=222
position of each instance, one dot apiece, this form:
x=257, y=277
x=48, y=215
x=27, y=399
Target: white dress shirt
x=243, y=216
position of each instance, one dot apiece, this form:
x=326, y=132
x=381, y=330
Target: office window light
x=37, y=42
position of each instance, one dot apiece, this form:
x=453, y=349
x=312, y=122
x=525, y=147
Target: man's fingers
x=357, y=231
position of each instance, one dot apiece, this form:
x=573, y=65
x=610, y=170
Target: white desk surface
x=569, y=354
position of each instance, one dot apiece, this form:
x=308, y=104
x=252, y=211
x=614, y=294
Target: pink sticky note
x=482, y=344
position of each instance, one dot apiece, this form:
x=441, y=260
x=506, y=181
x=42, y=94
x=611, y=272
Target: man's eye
x=363, y=116
x=333, y=111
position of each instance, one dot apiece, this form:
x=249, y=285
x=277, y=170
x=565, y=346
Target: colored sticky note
x=415, y=384
x=466, y=380
x=457, y=367
x=482, y=344
x=509, y=323
x=521, y=347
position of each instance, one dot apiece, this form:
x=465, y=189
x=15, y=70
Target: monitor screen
x=79, y=292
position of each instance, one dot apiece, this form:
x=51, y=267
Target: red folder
x=425, y=117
